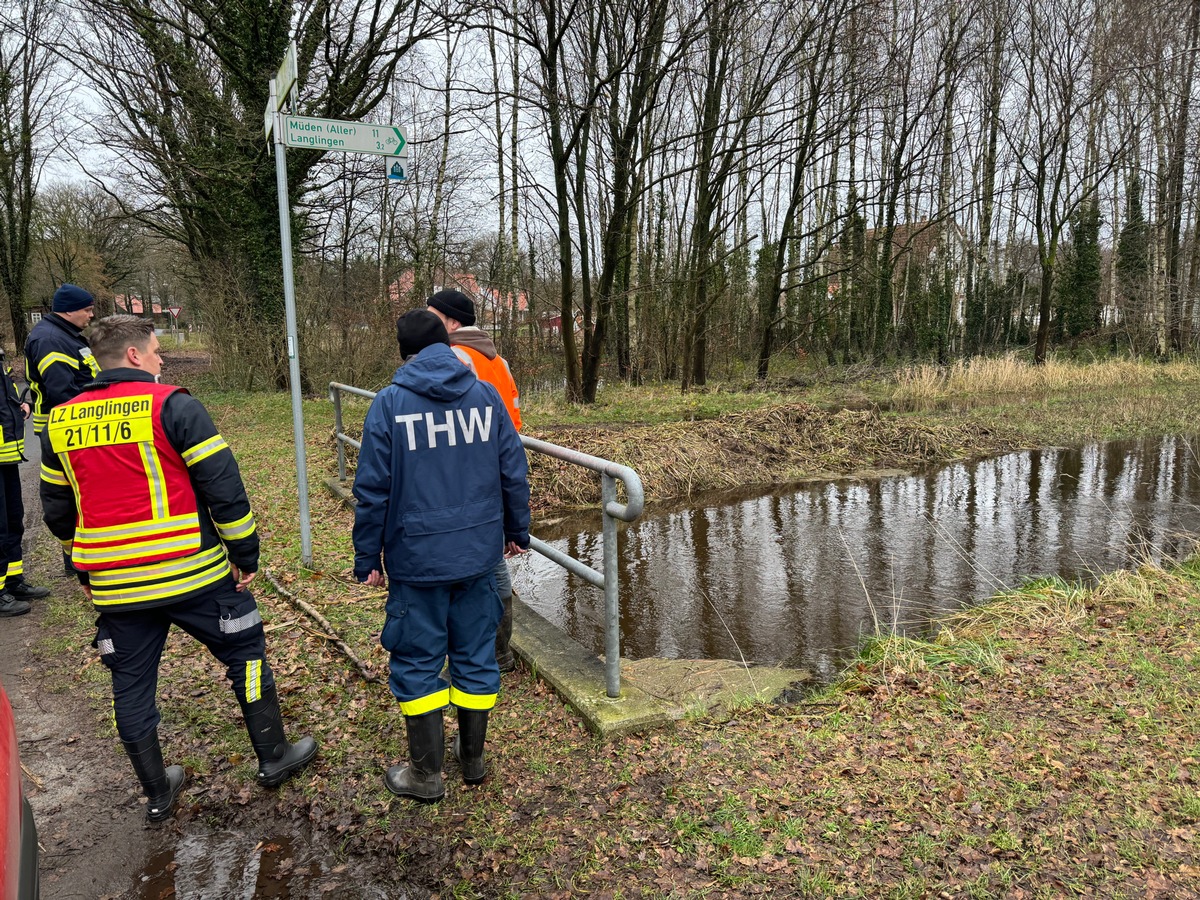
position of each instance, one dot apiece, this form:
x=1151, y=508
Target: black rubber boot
x=504, y=654
x=421, y=779
x=468, y=744
x=277, y=759
x=23, y=590
x=160, y=785
x=11, y=606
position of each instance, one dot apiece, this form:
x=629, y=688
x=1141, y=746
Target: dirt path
x=90, y=819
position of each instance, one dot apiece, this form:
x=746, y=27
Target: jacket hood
x=474, y=339
x=435, y=373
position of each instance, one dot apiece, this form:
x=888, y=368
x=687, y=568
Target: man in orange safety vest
x=478, y=352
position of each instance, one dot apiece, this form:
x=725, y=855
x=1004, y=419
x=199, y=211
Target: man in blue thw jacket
x=442, y=493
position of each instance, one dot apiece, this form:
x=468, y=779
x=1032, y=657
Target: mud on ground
x=88, y=819
x=185, y=362
x=89, y=811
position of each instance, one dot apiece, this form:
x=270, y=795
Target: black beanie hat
x=455, y=304
x=69, y=298
x=419, y=329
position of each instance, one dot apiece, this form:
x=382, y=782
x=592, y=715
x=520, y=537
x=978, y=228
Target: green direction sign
x=351, y=137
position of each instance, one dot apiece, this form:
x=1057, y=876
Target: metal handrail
x=335, y=396
x=610, y=509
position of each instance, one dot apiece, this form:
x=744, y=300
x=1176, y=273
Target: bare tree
x=814, y=127
x=735, y=85
x=1175, y=77
x=185, y=85
x=1062, y=77
x=635, y=52
x=31, y=98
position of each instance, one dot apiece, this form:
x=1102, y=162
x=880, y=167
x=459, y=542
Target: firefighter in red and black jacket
x=58, y=360
x=141, y=488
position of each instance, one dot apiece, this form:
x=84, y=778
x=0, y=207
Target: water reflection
x=795, y=577
x=226, y=865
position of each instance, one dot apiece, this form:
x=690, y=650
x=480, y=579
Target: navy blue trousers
x=425, y=625
x=131, y=643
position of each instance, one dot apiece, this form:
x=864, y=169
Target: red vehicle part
x=18, y=835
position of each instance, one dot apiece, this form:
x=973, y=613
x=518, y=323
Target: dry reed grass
x=1045, y=604
x=926, y=385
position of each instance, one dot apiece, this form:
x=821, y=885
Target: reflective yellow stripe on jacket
x=204, y=450
x=169, y=578
x=136, y=540
x=12, y=451
x=53, y=476
x=51, y=358
x=232, y=531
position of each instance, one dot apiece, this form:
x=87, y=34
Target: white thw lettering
x=472, y=422
x=468, y=426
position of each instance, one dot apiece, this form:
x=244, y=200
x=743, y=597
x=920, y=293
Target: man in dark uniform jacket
x=443, y=496
x=58, y=360
x=162, y=535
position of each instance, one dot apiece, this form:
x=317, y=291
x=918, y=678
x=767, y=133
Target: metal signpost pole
x=293, y=349
x=310, y=133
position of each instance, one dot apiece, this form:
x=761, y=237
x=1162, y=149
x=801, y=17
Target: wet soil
x=178, y=363
x=90, y=815
x=89, y=821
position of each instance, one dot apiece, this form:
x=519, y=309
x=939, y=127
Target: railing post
x=336, y=397
x=612, y=608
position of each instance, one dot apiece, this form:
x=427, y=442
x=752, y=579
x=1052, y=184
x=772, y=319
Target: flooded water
x=797, y=576
x=206, y=864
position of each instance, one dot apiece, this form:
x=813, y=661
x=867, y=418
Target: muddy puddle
x=207, y=864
